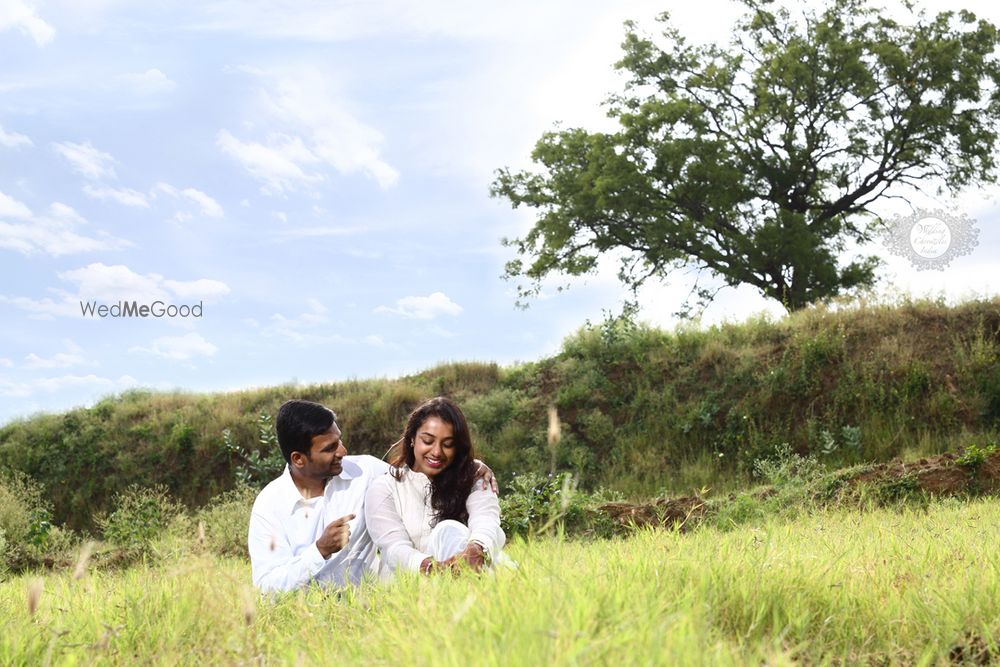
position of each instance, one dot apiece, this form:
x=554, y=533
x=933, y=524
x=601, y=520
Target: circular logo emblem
x=931, y=239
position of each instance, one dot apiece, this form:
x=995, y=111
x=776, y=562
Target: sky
x=315, y=175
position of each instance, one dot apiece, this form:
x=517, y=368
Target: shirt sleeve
x=484, y=520
x=387, y=529
x=273, y=565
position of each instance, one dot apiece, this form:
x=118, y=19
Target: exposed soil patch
x=943, y=475
x=937, y=475
x=683, y=512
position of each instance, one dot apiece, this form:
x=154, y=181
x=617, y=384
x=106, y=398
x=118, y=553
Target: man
x=309, y=524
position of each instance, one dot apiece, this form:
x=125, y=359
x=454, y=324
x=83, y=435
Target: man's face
x=325, y=459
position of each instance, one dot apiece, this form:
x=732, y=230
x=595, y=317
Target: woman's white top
x=400, y=519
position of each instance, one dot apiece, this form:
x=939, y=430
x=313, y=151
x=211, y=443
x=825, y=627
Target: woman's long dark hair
x=451, y=487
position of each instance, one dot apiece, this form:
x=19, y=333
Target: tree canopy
x=759, y=163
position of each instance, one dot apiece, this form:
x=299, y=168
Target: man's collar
x=290, y=494
x=349, y=470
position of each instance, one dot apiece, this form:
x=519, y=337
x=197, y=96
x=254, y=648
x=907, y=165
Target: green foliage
x=29, y=537
x=226, y=520
x=643, y=411
x=141, y=514
x=534, y=505
x=4, y=566
x=757, y=163
x=902, y=489
x=253, y=468
x=787, y=467
x=974, y=456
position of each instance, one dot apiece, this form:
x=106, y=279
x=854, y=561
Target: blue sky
x=317, y=175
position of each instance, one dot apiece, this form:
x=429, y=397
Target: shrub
x=786, y=467
x=537, y=504
x=24, y=522
x=253, y=468
x=227, y=519
x=4, y=568
x=141, y=514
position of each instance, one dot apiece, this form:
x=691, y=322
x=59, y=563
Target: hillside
x=643, y=411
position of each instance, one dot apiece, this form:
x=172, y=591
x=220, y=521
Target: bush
x=536, y=504
x=4, y=568
x=786, y=467
x=141, y=514
x=24, y=522
x=227, y=519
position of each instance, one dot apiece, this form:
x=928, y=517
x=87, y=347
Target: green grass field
x=888, y=586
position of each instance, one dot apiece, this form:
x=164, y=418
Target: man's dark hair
x=298, y=421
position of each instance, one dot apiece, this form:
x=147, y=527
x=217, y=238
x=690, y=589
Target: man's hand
x=487, y=477
x=335, y=537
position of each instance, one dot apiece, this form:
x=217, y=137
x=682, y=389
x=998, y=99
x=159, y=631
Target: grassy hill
x=643, y=411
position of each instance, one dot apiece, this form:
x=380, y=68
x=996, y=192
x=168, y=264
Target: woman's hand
x=472, y=557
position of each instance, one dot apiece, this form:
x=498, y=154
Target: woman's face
x=433, y=446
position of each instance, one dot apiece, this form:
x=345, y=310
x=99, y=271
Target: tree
x=758, y=164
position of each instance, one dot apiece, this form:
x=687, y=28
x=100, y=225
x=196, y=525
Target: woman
x=427, y=515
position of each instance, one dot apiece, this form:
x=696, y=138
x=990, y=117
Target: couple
x=430, y=509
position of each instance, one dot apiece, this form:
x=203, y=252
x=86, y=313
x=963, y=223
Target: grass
x=887, y=586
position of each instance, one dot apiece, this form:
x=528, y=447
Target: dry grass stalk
x=86, y=551
x=249, y=606
x=201, y=533
x=34, y=595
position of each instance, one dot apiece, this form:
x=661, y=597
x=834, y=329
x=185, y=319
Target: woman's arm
x=387, y=529
x=484, y=520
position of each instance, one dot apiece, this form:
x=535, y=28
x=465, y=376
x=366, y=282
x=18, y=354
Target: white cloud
x=12, y=208
x=206, y=204
x=317, y=232
x=65, y=213
x=197, y=289
x=22, y=15
x=123, y=196
x=150, y=82
x=13, y=139
x=43, y=309
x=59, y=360
x=277, y=164
x=311, y=130
x=422, y=307
x=115, y=283
x=52, y=385
x=87, y=160
x=323, y=21
x=111, y=284
x=308, y=328
x=179, y=348
x=54, y=234
x=6, y=363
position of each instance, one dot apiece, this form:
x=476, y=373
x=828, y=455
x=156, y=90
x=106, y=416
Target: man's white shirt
x=284, y=528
